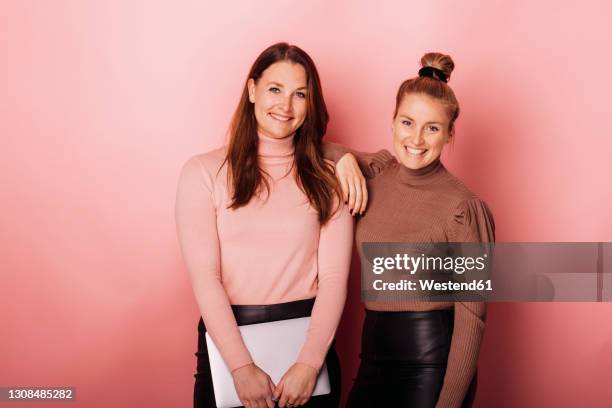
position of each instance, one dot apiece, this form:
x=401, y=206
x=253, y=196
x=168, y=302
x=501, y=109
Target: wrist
x=309, y=367
x=251, y=364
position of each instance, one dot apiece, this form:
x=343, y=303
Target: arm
x=334, y=258
x=197, y=232
x=352, y=169
x=370, y=164
x=472, y=222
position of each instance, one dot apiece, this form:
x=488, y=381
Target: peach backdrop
x=103, y=101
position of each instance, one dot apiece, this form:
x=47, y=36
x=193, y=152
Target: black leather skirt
x=203, y=395
x=403, y=359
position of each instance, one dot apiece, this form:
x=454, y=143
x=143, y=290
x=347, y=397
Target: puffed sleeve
x=472, y=221
x=196, y=225
x=333, y=260
x=370, y=164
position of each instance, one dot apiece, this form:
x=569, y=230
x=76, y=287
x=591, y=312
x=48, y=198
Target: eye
x=300, y=94
x=274, y=89
x=407, y=122
x=434, y=128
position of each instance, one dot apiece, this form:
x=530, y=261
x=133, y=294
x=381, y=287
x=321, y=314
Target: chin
x=414, y=164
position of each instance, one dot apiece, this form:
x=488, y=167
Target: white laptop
x=274, y=347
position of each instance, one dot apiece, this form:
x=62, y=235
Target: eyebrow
x=427, y=123
x=281, y=85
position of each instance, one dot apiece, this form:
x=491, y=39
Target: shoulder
x=209, y=161
x=457, y=189
x=378, y=162
x=471, y=210
x=468, y=207
x=204, y=167
x=383, y=158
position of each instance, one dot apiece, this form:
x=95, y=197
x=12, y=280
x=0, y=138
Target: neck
x=422, y=176
x=269, y=147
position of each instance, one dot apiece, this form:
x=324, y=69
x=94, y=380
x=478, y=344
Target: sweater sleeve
x=197, y=232
x=472, y=222
x=370, y=164
x=333, y=258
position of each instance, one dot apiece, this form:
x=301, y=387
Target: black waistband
x=252, y=314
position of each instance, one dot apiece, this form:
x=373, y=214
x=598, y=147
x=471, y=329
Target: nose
x=285, y=103
x=417, y=137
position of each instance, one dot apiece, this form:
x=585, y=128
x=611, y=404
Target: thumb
x=278, y=390
x=272, y=386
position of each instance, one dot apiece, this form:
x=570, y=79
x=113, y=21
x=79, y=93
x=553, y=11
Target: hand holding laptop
x=253, y=386
x=296, y=386
x=274, y=346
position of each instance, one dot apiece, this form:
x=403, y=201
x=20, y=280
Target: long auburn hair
x=314, y=176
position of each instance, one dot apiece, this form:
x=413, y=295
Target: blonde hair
x=434, y=87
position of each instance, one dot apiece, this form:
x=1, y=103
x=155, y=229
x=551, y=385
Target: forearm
x=334, y=257
x=334, y=151
x=220, y=322
x=370, y=164
x=197, y=233
x=463, y=355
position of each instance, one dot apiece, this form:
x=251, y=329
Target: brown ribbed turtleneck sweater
x=426, y=205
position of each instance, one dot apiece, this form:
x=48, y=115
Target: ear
x=251, y=87
x=451, y=134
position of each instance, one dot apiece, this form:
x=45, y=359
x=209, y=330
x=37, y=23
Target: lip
x=280, y=118
x=415, y=152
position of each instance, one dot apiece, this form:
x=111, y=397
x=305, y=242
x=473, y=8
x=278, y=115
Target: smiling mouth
x=415, y=152
x=280, y=118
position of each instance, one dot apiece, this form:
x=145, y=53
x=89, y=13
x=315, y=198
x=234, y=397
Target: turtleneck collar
x=422, y=176
x=271, y=148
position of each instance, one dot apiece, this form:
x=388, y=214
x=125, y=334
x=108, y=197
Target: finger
x=358, y=195
x=269, y=402
x=272, y=386
x=351, y=198
x=246, y=403
x=345, y=189
x=282, y=403
x=278, y=390
x=364, y=198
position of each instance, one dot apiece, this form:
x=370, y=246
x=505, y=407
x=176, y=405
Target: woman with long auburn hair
x=263, y=233
x=416, y=353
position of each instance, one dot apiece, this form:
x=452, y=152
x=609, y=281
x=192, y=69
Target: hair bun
x=439, y=61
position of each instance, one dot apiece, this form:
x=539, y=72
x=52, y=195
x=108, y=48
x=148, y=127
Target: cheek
x=300, y=110
x=263, y=101
x=399, y=133
x=438, y=143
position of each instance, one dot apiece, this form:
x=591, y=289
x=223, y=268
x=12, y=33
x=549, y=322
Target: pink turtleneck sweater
x=271, y=251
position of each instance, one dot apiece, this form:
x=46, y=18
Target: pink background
x=103, y=101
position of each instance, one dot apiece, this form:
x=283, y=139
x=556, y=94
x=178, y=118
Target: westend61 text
x=430, y=284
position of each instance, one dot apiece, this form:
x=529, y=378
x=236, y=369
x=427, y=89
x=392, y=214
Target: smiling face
x=280, y=98
x=420, y=130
